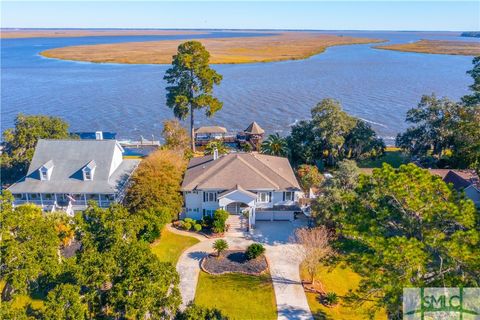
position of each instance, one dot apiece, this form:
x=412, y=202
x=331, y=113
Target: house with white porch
x=262, y=187
x=66, y=174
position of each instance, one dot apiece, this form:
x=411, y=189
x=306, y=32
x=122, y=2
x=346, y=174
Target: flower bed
x=234, y=261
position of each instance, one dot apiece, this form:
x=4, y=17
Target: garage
x=274, y=216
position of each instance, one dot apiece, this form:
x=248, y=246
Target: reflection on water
x=378, y=86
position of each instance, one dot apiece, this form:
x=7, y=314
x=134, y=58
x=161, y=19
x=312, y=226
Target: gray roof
x=48, y=164
x=70, y=157
x=254, y=128
x=211, y=129
x=252, y=171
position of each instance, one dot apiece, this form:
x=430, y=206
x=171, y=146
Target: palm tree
x=274, y=145
x=215, y=144
x=220, y=245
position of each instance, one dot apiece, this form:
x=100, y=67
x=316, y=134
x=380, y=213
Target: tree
x=65, y=302
x=274, y=145
x=309, y=176
x=119, y=275
x=474, y=98
x=20, y=142
x=196, y=312
x=362, y=142
x=212, y=145
x=331, y=125
x=156, y=183
x=29, y=247
x=191, y=83
x=314, y=246
x=220, y=245
x=406, y=228
x=433, y=127
x=175, y=136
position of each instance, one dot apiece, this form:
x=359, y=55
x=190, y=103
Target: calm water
x=378, y=86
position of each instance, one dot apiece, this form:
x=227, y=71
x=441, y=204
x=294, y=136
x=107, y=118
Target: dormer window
x=89, y=170
x=45, y=171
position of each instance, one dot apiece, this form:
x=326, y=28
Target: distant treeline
x=475, y=34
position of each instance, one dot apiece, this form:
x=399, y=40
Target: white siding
x=117, y=159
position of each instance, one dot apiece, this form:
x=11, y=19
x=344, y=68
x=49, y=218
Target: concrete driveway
x=284, y=263
x=282, y=257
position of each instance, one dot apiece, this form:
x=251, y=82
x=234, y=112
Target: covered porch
x=238, y=201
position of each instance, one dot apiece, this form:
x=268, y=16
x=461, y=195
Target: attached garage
x=274, y=215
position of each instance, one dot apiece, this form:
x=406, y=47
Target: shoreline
x=285, y=46
x=445, y=47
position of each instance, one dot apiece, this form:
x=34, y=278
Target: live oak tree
x=65, y=302
x=332, y=135
x=191, y=83
x=407, y=228
x=21, y=140
x=29, y=247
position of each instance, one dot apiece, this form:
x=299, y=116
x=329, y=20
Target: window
x=44, y=174
x=288, y=196
x=209, y=196
x=88, y=175
x=48, y=196
x=263, y=197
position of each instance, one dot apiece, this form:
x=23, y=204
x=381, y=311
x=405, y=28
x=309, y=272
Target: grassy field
x=238, y=296
x=278, y=47
x=339, y=280
x=392, y=156
x=465, y=48
x=170, y=246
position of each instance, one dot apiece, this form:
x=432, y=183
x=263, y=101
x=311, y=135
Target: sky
x=316, y=15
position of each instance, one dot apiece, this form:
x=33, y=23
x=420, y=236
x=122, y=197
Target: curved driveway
x=284, y=266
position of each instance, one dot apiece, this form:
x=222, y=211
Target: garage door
x=283, y=216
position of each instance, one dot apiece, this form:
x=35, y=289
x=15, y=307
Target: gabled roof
x=237, y=189
x=90, y=165
x=70, y=157
x=211, y=129
x=252, y=171
x=460, y=179
x=254, y=128
x=48, y=164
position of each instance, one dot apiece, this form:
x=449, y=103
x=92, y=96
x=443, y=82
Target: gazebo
x=254, y=133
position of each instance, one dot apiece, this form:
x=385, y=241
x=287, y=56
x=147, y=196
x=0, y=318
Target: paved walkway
x=290, y=297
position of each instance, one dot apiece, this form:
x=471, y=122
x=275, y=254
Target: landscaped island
x=278, y=47
x=465, y=48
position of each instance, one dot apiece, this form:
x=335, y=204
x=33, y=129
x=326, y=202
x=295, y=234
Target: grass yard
x=339, y=280
x=170, y=246
x=392, y=156
x=22, y=300
x=238, y=296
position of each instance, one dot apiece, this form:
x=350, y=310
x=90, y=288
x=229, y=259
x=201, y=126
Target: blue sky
x=323, y=15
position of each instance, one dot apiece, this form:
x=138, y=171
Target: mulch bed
x=234, y=261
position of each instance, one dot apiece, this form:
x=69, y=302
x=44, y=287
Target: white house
x=66, y=174
x=261, y=186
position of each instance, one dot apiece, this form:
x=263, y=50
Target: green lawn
x=171, y=245
x=339, y=280
x=392, y=156
x=238, y=296
x=22, y=300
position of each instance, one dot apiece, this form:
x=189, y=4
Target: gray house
x=66, y=174
x=259, y=186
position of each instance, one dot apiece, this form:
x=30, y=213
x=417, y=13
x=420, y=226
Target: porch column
x=41, y=200
x=100, y=200
x=253, y=216
x=85, y=198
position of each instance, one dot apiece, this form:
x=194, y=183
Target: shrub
x=197, y=227
x=255, y=250
x=194, y=311
x=219, y=218
x=207, y=222
x=187, y=226
x=331, y=298
x=220, y=245
x=189, y=220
